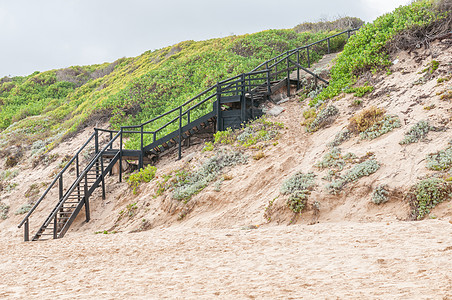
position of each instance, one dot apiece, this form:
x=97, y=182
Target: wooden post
x=309, y=61
x=243, y=100
x=26, y=231
x=219, y=125
x=87, y=214
x=120, y=157
x=288, y=74
x=60, y=187
x=180, y=134
x=102, y=174
x=328, y=45
x=298, y=69
x=140, y=164
x=55, y=224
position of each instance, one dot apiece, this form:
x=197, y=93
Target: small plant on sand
x=4, y=209
x=23, y=209
x=417, y=132
x=298, y=187
x=365, y=119
x=426, y=194
x=335, y=160
x=189, y=183
x=441, y=160
x=380, y=194
x=259, y=130
x=359, y=91
x=144, y=175
x=129, y=211
x=341, y=137
x=387, y=124
x=326, y=116
x=365, y=168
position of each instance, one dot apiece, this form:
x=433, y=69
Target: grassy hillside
x=368, y=50
x=44, y=107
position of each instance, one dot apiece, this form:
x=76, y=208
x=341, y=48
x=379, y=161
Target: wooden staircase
x=229, y=103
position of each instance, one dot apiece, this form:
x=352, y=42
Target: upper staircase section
x=229, y=103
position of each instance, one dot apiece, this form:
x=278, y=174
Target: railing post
x=96, y=140
x=269, y=89
x=154, y=136
x=141, y=148
x=60, y=187
x=111, y=138
x=328, y=45
x=180, y=133
x=87, y=214
x=309, y=60
x=288, y=75
x=298, y=69
x=96, y=146
x=26, y=231
x=77, y=170
x=219, y=127
x=120, y=157
x=55, y=228
x=188, y=116
x=102, y=174
x=243, y=99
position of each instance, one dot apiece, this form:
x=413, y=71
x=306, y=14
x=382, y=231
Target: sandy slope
x=357, y=250
x=409, y=260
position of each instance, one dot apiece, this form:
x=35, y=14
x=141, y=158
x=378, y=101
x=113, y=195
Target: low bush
x=426, y=194
x=417, y=132
x=365, y=168
x=144, y=175
x=325, y=117
x=441, y=160
x=365, y=119
x=298, y=187
x=380, y=194
x=4, y=209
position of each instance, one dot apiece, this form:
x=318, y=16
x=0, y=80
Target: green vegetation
x=259, y=130
x=144, y=175
x=359, y=91
x=387, y=124
x=188, y=183
x=340, y=137
x=51, y=105
x=367, y=49
x=335, y=160
x=417, y=132
x=365, y=119
x=4, y=209
x=365, y=168
x=326, y=116
x=380, y=194
x=23, y=209
x=129, y=211
x=426, y=194
x=441, y=160
x=298, y=187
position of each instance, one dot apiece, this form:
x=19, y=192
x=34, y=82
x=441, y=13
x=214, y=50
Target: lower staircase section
x=77, y=197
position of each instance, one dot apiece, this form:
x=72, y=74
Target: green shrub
x=187, y=184
x=381, y=127
x=426, y=194
x=4, y=209
x=365, y=168
x=298, y=187
x=144, y=175
x=323, y=118
x=380, y=194
x=417, y=132
x=441, y=160
x=335, y=159
x=340, y=137
x=359, y=91
x=367, y=49
x=23, y=209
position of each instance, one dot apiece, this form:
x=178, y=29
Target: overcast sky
x=40, y=35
